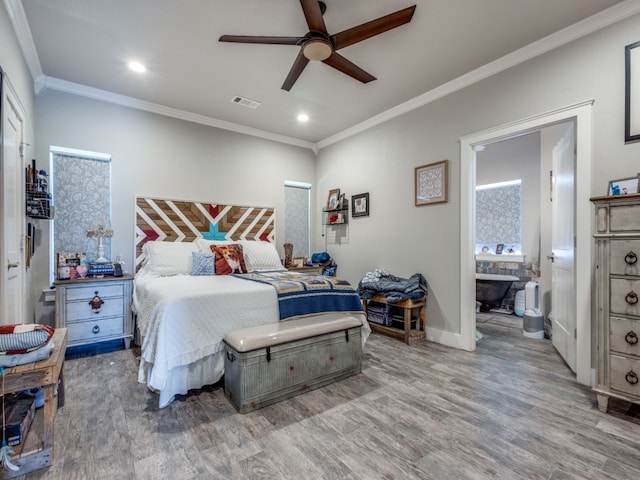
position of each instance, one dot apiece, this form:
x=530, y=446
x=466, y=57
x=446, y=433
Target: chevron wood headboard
x=159, y=219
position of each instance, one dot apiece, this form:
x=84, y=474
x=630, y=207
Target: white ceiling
x=83, y=45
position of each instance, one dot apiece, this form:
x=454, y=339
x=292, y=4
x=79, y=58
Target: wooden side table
x=407, y=334
x=36, y=451
x=315, y=270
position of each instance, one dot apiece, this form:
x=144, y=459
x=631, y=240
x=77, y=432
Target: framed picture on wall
x=431, y=183
x=360, y=205
x=632, y=93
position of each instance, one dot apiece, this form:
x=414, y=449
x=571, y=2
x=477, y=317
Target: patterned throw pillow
x=202, y=263
x=229, y=259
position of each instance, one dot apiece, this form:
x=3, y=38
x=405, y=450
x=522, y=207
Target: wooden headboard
x=159, y=219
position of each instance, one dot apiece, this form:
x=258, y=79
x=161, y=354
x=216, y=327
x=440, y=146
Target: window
x=81, y=190
x=498, y=216
x=297, y=214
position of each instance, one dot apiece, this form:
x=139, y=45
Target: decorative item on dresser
x=617, y=235
x=95, y=309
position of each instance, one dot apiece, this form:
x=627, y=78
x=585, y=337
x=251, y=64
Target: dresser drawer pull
x=96, y=303
x=631, y=258
x=631, y=377
x=631, y=298
x=631, y=338
x=96, y=329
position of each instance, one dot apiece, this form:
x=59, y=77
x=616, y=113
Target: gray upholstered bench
x=269, y=363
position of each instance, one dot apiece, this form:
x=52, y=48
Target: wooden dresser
x=107, y=319
x=617, y=235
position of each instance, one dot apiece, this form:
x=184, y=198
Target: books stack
x=100, y=269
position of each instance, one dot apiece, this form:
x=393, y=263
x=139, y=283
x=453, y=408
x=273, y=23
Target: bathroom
x=509, y=204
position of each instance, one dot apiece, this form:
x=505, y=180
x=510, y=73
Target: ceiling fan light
x=317, y=50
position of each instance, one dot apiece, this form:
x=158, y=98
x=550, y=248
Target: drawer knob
x=631, y=298
x=96, y=329
x=96, y=303
x=631, y=377
x=631, y=338
x=631, y=258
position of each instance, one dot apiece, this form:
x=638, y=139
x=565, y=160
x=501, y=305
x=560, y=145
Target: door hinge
x=575, y=333
x=575, y=242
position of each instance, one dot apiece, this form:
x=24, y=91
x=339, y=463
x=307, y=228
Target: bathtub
x=491, y=289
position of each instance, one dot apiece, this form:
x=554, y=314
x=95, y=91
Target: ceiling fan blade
x=313, y=14
x=265, y=40
x=372, y=28
x=296, y=70
x=338, y=62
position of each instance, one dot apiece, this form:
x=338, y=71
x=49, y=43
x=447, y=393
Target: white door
x=11, y=256
x=563, y=292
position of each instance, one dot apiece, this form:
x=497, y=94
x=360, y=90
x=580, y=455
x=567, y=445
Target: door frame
x=581, y=114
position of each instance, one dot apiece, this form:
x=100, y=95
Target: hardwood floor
x=510, y=410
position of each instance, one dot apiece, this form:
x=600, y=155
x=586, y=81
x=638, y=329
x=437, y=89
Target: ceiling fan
x=318, y=45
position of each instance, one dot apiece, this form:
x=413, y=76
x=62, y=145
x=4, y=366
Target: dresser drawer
x=96, y=330
x=625, y=257
x=625, y=336
x=625, y=296
x=81, y=310
x=88, y=292
x=625, y=375
x=624, y=218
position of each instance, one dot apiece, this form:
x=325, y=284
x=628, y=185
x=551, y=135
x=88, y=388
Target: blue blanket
x=302, y=294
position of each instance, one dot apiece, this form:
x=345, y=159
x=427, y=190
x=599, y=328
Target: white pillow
x=204, y=245
x=169, y=258
x=260, y=256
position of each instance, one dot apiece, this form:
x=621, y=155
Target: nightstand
x=95, y=309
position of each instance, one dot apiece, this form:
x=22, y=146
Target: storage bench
x=269, y=363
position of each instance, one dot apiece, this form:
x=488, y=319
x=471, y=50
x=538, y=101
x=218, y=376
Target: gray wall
x=162, y=157
x=405, y=239
x=517, y=158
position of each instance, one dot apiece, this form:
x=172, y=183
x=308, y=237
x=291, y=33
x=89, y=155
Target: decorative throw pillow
x=203, y=263
x=260, y=256
x=23, y=338
x=229, y=259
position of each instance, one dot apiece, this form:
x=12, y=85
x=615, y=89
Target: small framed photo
x=298, y=262
x=624, y=186
x=499, y=248
x=333, y=200
x=431, y=183
x=360, y=205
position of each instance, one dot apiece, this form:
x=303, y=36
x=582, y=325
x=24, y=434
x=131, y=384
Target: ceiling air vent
x=245, y=102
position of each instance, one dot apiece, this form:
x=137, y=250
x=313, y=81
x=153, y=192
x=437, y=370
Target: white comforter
x=183, y=320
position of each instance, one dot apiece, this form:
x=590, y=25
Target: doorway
x=581, y=115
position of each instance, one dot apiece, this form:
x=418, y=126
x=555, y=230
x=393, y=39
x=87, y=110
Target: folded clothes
x=395, y=289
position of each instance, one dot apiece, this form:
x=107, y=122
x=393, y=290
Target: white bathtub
x=496, y=277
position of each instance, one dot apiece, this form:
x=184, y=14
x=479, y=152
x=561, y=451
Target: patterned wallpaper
x=82, y=199
x=296, y=220
x=498, y=215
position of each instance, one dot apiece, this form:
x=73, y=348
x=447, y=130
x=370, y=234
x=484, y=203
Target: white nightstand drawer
x=88, y=292
x=625, y=375
x=625, y=336
x=81, y=311
x=95, y=331
x=625, y=296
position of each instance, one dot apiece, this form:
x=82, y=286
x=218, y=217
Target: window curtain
x=297, y=225
x=81, y=189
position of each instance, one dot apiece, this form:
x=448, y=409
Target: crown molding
x=131, y=102
x=607, y=17
x=25, y=39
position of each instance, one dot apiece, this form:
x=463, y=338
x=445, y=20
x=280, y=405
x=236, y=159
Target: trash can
x=533, y=324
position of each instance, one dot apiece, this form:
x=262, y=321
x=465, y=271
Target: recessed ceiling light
x=303, y=117
x=137, y=67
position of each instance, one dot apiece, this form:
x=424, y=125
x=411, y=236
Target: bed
x=185, y=305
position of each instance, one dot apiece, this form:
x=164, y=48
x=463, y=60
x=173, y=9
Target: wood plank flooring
x=510, y=410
